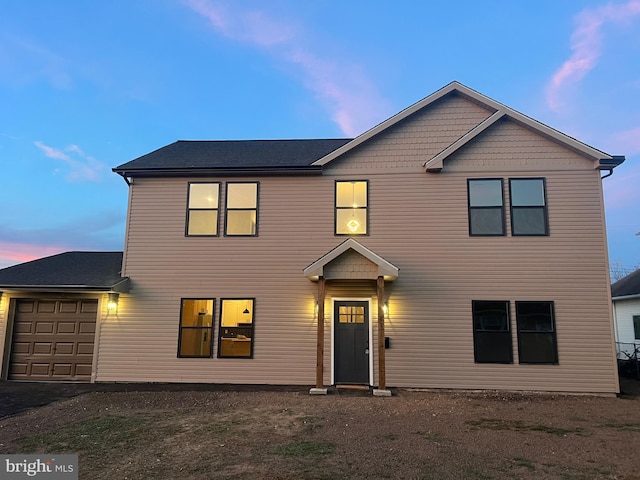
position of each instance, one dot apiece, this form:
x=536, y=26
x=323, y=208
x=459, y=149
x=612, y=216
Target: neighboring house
x=625, y=294
x=458, y=244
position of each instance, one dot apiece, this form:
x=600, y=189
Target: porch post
x=382, y=375
x=319, y=388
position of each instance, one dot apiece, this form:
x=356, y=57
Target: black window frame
x=636, y=327
x=497, y=343
x=537, y=335
x=253, y=328
x=544, y=207
x=211, y=328
x=227, y=209
x=188, y=215
x=491, y=207
x=336, y=208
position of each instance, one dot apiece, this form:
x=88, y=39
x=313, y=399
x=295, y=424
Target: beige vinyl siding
x=419, y=222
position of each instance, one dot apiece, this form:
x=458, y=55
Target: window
x=196, y=328
x=528, y=206
x=636, y=327
x=536, y=332
x=486, y=206
x=242, y=209
x=202, y=209
x=491, y=332
x=236, y=328
x=352, y=202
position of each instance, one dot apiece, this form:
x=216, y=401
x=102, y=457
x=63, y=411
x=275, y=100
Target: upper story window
x=352, y=211
x=242, y=209
x=202, y=209
x=528, y=206
x=486, y=206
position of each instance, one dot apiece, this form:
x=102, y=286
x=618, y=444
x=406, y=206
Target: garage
x=53, y=339
x=50, y=312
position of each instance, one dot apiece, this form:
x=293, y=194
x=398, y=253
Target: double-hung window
x=492, y=332
x=352, y=207
x=528, y=206
x=486, y=206
x=242, y=209
x=235, y=339
x=196, y=328
x=536, y=332
x=202, y=209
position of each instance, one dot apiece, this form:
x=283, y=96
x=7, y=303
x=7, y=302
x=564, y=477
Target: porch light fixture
x=385, y=310
x=112, y=304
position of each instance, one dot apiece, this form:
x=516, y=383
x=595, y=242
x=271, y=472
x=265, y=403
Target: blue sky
x=86, y=85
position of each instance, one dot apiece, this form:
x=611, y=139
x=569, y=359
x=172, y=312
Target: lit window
x=202, y=209
x=536, y=332
x=196, y=328
x=528, y=206
x=236, y=328
x=242, y=209
x=486, y=206
x=492, y=332
x=352, y=202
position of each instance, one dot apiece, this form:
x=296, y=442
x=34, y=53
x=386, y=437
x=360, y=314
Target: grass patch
x=524, y=462
x=100, y=436
x=305, y=449
x=520, y=426
x=431, y=436
x=629, y=427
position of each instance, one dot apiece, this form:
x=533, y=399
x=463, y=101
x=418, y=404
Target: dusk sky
x=86, y=85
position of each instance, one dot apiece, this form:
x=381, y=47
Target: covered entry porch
x=350, y=330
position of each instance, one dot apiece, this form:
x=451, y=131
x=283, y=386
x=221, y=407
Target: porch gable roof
x=385, y=269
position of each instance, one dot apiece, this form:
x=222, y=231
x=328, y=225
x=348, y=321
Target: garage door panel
x=42, y=348
x=87, y=328
x=66, y=327
x=44, y=327
x=64, y=348
x=53, y=340
x=68, y=307
x=46, y=306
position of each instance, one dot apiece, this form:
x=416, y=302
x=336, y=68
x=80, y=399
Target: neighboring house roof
x=603, y=160
x=98, y=271
x=189, y=156
x=628, y=286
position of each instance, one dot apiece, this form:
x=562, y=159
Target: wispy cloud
x=82, y=167
x=586, y=45
x=341, y=86
x=101, y=231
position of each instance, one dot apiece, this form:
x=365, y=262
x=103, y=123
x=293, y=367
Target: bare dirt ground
x=348, y=435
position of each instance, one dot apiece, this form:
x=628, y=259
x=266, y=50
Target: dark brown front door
x=351, y=330
x=53, y=339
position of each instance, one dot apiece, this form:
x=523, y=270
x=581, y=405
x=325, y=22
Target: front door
x=351, y=342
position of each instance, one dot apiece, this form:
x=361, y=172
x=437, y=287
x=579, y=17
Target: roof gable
x=602, y=160
x=384, y=269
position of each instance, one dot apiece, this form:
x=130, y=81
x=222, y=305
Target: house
x=625, y=294
x=459, y=244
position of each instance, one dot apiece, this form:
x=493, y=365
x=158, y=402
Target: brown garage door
x=53, y=340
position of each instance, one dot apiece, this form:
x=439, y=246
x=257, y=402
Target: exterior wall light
x=385, y=310
x=112, y=304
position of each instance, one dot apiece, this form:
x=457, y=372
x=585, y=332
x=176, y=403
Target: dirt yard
x=291, y=435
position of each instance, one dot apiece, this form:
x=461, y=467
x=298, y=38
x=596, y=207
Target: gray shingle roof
x=233, y=155
x=83, y=270
x=629, y=285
